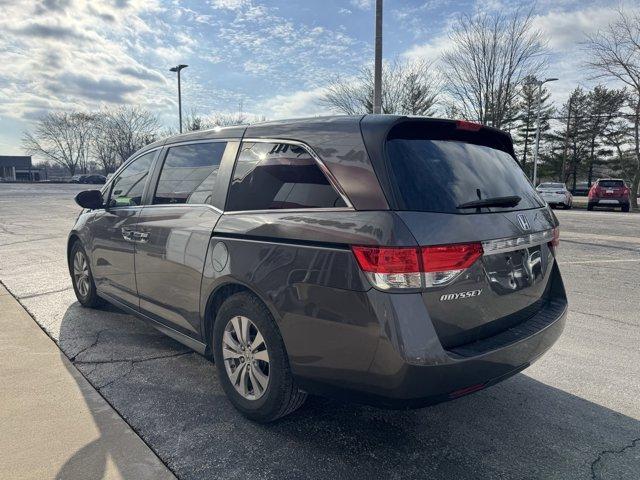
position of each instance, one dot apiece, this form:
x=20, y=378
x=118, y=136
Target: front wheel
x=82, y=278
x=251, y=360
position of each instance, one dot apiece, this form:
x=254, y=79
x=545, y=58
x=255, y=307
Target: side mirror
x=91, y=199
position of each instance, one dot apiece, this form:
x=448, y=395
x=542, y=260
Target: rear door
x=432, y=179
x=174, y=230
x=112, y=243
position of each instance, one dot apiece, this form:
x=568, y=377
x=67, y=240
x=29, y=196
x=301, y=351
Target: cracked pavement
x=575, y=414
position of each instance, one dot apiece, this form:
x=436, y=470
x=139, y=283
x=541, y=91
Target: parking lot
x=573, y=414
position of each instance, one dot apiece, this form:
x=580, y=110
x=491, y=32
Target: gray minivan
x=383, y=259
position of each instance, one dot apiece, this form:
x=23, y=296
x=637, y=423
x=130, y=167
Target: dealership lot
x=574, y=414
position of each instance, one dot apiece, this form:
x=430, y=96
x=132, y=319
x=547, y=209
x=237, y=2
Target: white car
x=555, y=194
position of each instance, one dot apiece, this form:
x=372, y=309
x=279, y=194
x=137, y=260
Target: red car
x=609, y=192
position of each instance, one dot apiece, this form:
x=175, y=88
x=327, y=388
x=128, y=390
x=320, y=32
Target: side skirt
x=192, y=343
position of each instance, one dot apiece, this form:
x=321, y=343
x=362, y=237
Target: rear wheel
x=625, y=208
x=589, y=206
x=251, y=360
x=82, y=278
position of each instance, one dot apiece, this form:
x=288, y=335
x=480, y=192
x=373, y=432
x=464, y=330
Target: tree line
x=488, y=74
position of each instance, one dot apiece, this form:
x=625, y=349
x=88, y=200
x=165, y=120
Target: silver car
x=555, y=194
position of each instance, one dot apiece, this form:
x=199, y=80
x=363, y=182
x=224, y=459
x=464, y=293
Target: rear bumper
x=394, y=382
x=555, y=199
x=608, y=201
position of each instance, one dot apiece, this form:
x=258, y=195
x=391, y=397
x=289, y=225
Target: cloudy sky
x=271, y=55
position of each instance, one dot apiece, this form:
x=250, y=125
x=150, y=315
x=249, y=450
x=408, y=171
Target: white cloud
x=302, y=103
x=362, y=4
x=229, y=4
x=74, y=54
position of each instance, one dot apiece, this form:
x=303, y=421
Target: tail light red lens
x=387, y=259
x=441, y=258
x=399, y=267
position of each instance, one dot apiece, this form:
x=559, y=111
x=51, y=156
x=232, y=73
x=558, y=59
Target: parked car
x=76, y=179
x=609, y=192
x=387, y=260
x=94, y=179
x=555, y=194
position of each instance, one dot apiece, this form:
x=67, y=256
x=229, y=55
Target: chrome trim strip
x=510, y=244
x=332, y=180
x=183, y=205
x=291, y=210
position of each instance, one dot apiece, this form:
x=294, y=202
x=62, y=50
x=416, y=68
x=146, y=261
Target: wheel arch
x=217, y=298
x=73, y=238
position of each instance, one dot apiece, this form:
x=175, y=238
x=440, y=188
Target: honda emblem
x=523, y=222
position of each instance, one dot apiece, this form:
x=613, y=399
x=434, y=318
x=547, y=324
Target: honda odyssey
x=382, y=259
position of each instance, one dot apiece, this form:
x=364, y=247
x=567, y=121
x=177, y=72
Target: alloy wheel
x=81, y=274
x=246, y=357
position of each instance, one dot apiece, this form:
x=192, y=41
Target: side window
x=189, y=173
x=129, y=185
x=278, y=175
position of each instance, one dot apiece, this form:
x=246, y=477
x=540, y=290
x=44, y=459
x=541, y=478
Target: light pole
x=177, y=69
x=535, y=151
x=377, y=66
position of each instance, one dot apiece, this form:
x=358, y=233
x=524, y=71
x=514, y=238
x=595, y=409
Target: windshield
x=439, y=175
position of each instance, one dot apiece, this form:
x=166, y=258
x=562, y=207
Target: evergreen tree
x=525, y=120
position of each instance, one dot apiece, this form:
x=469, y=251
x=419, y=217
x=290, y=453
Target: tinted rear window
x=551, y=185
x=439, y=175
x=611, y=183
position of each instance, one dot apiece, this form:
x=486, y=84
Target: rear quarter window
x=439, y=175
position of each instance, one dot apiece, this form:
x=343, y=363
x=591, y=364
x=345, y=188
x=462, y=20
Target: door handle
x=133, y=236
x=140, y=237
x=127, y=234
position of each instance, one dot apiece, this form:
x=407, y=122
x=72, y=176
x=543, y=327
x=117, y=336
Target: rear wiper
x=506, y=202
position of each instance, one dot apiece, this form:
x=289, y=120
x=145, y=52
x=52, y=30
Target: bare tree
x=408, y=88
x=124, y=130
x=490, y=57
x=615, y=54
x=62, y=137
x=194, y=121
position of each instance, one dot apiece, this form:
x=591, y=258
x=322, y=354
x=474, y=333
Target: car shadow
x=171, y=397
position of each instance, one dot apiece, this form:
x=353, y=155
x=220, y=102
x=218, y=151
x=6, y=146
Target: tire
x=567, y=206
x=625, y=208
x=589, y=206
x=82, y=278
x=280, y=396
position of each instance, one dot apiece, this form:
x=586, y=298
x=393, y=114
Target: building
x=18, y=168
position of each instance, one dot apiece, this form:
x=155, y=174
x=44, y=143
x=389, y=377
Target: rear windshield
x=611, y=183
x=439, y=175
x=551, y=185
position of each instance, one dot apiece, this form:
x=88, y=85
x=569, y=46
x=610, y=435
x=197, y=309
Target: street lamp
x=177, y=69
x=377, y=64
x=535, y=151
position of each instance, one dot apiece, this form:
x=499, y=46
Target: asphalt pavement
x=574, y=414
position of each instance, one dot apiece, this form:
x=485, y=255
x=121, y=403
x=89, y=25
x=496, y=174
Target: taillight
x=555, y=240
x=594, y=192
x=415, y=267
x=390, y=267
x=442, y=263
x=626, y=191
